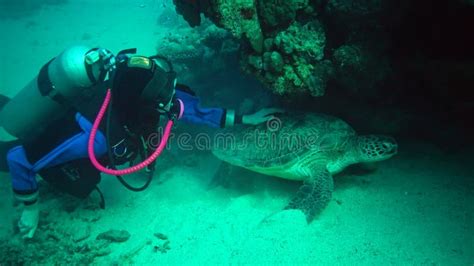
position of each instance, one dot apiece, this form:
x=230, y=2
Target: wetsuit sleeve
x=194, y=113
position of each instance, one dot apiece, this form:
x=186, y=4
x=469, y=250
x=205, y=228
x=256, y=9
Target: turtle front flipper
x=314, y=195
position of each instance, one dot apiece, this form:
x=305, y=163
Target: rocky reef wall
x=406, y=62
x=292, y=46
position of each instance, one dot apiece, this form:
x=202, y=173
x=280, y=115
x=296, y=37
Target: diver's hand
x=29, y=220
x=261, y=116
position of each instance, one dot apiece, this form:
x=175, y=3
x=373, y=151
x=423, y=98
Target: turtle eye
x=386, y=145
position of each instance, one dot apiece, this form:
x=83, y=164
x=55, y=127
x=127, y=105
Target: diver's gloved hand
x=29, y=220
x=261, y=116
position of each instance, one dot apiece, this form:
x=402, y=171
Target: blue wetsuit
x=24, y=173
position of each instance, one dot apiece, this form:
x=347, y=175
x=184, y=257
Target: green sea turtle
x=307, y=147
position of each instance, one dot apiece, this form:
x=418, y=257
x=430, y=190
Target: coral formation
x=180, y=46
x=285, y=43
x=294, y=60
x=288, y=61
x=241, y=19
x=358, y=68
x=207, y=45
x=276, y=13
x=350, y=9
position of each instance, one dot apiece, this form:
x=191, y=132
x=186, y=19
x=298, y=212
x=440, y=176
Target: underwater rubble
x=69, y=234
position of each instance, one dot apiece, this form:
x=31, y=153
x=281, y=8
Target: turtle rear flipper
x=313, y=196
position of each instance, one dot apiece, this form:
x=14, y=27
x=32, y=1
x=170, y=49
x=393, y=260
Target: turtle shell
x=283, y=140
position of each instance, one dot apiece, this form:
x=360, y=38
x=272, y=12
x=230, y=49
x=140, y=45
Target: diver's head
x=145, y=83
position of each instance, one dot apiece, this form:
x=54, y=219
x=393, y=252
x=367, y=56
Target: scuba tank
x=67, y=83
x=65, y=79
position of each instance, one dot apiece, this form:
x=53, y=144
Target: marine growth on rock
x=288, y=45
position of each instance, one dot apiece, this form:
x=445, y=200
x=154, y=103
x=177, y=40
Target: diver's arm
x=193, y=113
x=261, y=116
x=218, y=117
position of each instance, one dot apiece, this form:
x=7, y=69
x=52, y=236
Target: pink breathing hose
x=149, y=160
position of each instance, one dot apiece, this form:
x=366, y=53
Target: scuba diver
x=62, y=137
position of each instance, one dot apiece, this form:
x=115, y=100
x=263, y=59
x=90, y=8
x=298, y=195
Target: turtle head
x=372, y=148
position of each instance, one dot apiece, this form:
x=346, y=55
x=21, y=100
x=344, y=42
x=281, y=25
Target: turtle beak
x=390, y=146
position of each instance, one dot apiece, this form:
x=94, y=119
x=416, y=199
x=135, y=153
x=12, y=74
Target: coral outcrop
x=286, y=44
x=207, y=45
x=358, y=68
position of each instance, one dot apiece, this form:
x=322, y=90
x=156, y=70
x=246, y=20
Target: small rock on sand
x=114, y=236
